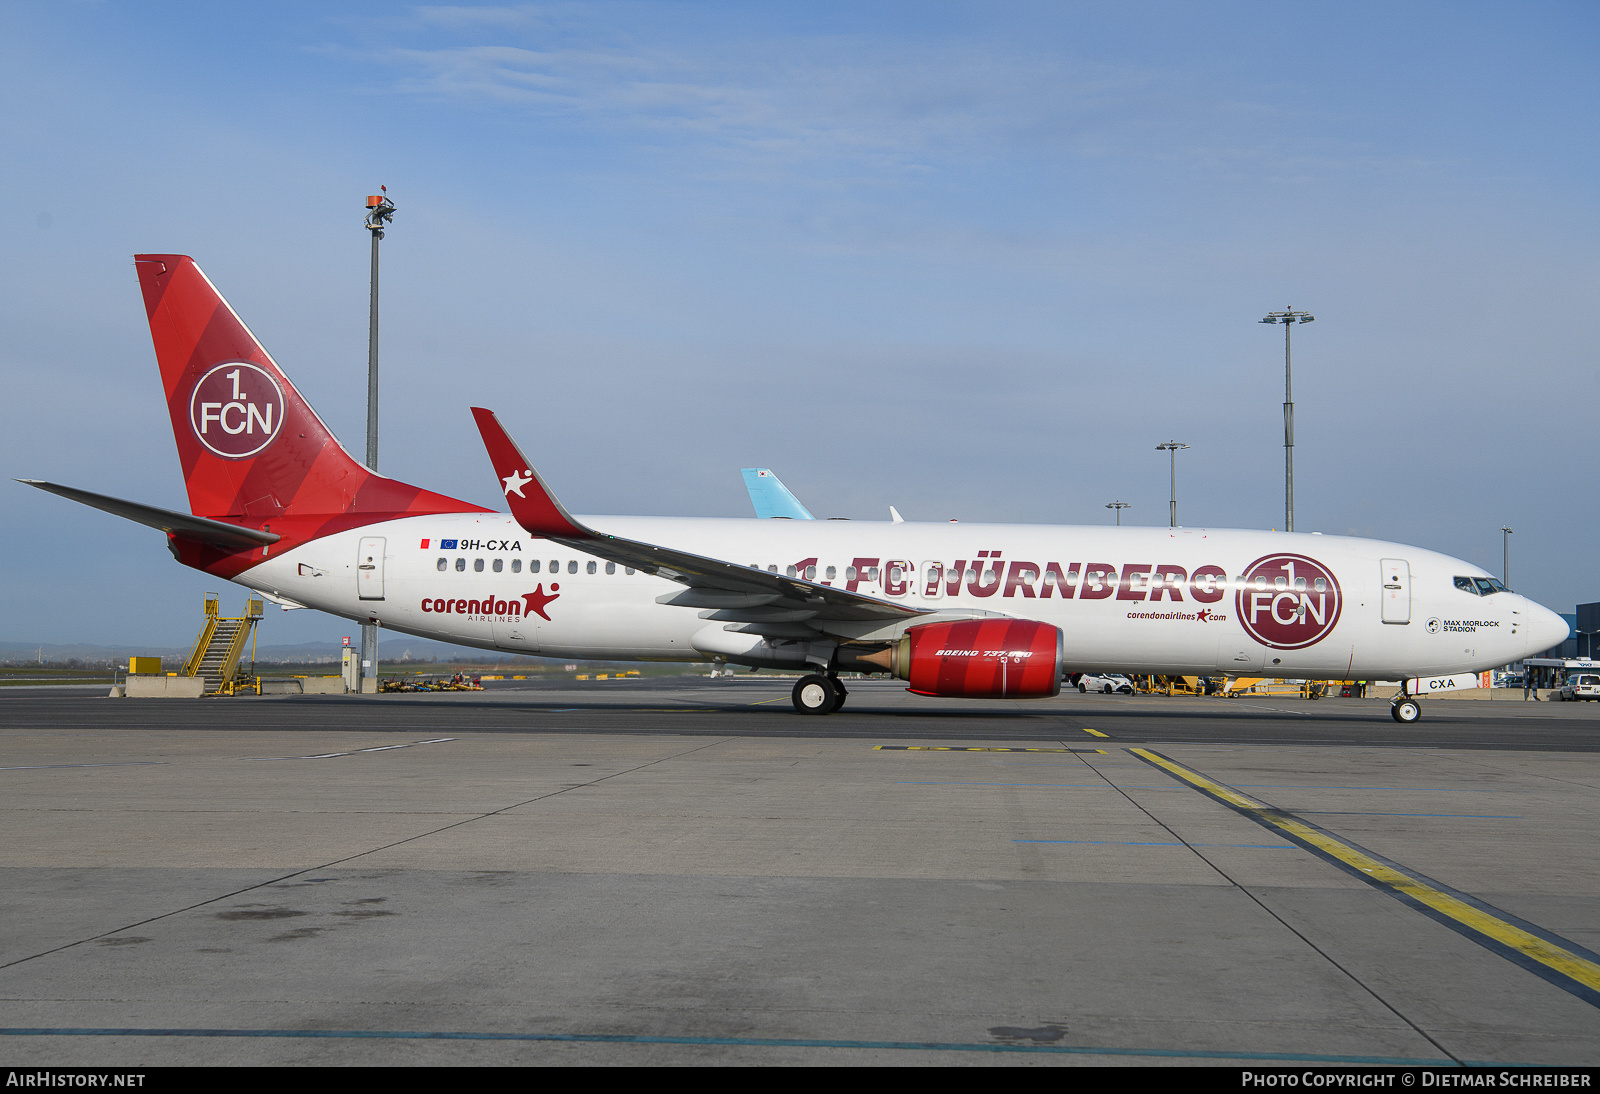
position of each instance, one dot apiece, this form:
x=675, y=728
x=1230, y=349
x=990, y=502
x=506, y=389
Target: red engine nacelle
x=981, y=659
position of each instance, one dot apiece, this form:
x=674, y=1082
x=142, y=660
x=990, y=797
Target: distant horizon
x=394, y=652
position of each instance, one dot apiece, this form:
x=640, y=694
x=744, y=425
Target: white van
x=1581, y=685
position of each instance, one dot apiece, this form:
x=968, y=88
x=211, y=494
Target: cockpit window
x=1480, y=586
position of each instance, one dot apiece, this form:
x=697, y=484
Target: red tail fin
x=250, y=446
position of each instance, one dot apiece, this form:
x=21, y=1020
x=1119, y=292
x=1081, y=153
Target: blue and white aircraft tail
x=770, y=497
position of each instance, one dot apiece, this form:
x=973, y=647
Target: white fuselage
x=1184, y=600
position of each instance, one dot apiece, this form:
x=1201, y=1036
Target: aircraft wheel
x=816, y=694
x=844, y=693
x=1406, y=711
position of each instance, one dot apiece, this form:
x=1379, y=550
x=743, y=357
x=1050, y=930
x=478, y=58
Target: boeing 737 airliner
x=958, y=610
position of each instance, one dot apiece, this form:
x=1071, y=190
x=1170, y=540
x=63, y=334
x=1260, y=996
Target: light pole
x=1288, y=317
x=380, y=210
x=1505, y=556
x=1119, y=506
x=1172, y=447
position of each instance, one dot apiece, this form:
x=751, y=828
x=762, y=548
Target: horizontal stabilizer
x=229, y=537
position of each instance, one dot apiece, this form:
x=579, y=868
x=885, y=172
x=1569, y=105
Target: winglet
x=532, y=504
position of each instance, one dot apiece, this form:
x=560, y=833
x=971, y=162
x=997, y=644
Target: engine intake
x=978, y=659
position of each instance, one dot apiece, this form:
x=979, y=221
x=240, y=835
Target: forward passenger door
x=1396, y=590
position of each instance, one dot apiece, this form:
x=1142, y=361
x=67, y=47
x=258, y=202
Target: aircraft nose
x=1546, y=629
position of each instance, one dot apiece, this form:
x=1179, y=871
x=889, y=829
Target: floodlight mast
x=1172, y=447
x=1119, y=506
x=1505, y=555
x=380, y=211
x=1288, y=317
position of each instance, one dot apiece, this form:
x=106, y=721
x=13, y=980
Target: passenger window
x=811, y=573
x=849, y=573
x=461, y=565
x=831, y=573
x=444, y=564
x=628, y=570
x=591, y=568
x=533, y=565
x=516, y=565
x=791, y=572
x=555, y=566
x=572, y=567
x=611, y=567
x=499, y=564
x=772, y=569
x=477, y=565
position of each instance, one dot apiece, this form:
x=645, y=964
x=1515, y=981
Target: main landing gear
x=1404, y=709
x=818, y=694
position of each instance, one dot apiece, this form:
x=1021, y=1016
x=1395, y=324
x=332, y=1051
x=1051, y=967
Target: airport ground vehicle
x=1580, y=685
x=964, y=610
x=1108, y=683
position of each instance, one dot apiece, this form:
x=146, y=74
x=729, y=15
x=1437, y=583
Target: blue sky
x=973, y=260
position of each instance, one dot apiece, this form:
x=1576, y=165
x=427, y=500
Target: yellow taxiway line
x=1537, y=954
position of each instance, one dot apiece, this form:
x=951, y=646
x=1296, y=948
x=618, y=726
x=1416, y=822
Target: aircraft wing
x=767, y=602
x=770, y=497
x=229, y=537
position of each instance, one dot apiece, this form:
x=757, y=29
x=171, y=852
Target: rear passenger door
x=369, y=568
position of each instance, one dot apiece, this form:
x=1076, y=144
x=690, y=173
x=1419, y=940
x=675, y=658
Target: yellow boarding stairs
x=221, y=645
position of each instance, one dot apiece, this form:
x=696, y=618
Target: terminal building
x=1580, y=650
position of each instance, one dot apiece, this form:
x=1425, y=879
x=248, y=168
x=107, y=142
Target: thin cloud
x=838, y=98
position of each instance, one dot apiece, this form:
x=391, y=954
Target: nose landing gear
x=1404, y=709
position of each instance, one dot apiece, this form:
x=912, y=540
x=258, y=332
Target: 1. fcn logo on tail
x=236, y=409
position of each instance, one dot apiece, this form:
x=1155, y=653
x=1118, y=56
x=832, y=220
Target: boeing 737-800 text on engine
x=957, y=610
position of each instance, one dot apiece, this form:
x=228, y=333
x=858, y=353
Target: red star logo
x=537, y=599
x=1204, y=615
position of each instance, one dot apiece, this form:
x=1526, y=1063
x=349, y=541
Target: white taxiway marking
x=357, y=751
